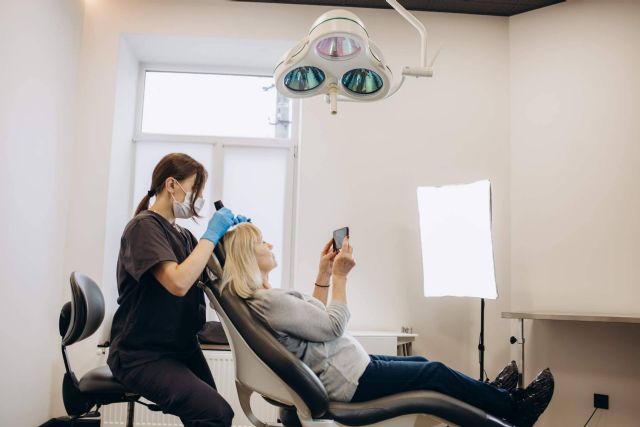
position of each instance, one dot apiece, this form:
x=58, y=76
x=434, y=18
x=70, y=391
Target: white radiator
x=222, y=368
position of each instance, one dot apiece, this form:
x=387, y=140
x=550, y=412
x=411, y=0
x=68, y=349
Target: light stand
x=481, y=343
x=455, y=232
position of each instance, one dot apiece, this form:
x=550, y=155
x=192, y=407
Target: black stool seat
x=410, y=402
x=101, y=384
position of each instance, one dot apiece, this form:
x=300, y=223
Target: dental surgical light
x=338, y=60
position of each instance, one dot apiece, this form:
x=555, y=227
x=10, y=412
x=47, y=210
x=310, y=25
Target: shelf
x=605, y=318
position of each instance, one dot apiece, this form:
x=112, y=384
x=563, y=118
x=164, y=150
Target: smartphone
x=338, y=237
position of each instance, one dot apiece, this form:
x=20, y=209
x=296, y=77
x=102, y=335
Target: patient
x=314, y=331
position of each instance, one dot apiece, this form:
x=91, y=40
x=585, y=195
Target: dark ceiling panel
x=478, y=7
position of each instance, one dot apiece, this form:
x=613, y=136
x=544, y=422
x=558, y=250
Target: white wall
x=120, y=176
x=39, y=47
x=359, y=168
x=575, y=199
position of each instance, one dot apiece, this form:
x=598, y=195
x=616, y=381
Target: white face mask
x=183, y=210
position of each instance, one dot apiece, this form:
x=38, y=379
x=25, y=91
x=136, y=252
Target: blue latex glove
x=219, y=223
x=241, y=218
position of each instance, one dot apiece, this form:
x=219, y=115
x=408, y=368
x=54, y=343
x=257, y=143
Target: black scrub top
x=151, y=323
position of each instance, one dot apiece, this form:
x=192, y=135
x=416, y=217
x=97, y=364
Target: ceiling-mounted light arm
x=423, y=70
x=417, y=25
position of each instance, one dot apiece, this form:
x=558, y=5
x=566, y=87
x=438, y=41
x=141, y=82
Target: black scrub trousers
x=154, y=349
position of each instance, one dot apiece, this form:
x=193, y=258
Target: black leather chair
x=79, y=319
x=266, y=367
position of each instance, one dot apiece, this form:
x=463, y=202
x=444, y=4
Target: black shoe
x=507, y=379
x=531, y=402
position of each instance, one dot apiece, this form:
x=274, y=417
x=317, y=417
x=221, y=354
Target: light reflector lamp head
x=338, y=47
x=362, y=81
x=303, y=79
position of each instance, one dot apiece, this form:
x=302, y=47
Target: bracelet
x=321, y=286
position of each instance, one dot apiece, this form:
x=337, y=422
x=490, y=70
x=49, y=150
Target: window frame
x=219, y=142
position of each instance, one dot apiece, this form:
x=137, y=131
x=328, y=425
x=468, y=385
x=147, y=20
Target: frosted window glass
x=455, y=231
x=254, y=185
x=209, y=104
x=148, y=154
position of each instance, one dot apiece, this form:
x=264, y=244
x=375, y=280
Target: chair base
x=92, y=419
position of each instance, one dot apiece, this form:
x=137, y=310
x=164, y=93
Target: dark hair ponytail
x=179, y=166
x=144, y=204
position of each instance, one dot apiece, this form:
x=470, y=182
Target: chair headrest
x=65, y=319
x=285, y=365
x=87, y=309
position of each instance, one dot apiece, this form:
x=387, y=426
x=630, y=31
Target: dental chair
x=266, y=367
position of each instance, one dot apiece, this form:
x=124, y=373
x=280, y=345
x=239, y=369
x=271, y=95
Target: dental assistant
x=154, y=349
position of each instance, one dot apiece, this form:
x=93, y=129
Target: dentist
x=154, y=349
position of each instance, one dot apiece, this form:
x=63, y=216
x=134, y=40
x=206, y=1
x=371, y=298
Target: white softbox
x=455, y=232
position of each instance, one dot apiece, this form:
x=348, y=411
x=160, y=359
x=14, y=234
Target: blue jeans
x=387, y=375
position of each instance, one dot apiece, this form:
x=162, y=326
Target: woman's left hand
x=326, y=261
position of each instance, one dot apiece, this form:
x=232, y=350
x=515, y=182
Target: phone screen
x=338, y=237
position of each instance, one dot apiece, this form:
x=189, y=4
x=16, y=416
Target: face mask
x=183, y=210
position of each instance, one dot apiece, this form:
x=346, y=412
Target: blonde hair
x=241, y=271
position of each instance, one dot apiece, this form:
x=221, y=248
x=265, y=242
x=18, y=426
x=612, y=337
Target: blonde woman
x=313, y=329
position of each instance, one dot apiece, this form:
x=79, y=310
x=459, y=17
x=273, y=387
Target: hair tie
x=151, y=193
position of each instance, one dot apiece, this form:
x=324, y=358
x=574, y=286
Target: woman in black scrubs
x=154, y=349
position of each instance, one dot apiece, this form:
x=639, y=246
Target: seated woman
x=314, y=331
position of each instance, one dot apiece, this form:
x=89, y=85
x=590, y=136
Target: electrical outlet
x=601, y=401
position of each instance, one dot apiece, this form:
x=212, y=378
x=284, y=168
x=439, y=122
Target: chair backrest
x=262, y=363
x=84, y=315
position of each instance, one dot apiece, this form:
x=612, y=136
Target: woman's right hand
x=326, y=261
x=343, y=262
x=219, y=223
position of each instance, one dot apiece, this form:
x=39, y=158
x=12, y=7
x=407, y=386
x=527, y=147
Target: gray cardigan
x=316, y=335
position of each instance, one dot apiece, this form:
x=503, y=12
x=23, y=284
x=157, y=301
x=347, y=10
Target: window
x=213, y=104
x=243, y=133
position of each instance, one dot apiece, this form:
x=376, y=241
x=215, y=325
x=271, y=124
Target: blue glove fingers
x=241, y=218
x=221, y=221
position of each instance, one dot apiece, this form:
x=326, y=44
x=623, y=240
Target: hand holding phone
x=338, y=237
x=343, y=262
